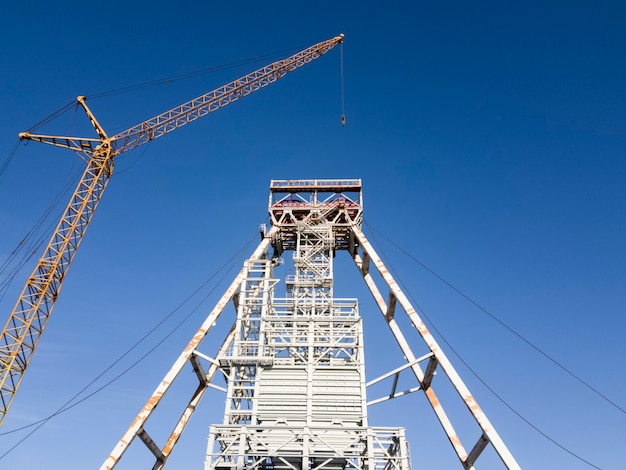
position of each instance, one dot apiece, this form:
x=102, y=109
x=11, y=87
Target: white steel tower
x=296, y=375
x=294, y=365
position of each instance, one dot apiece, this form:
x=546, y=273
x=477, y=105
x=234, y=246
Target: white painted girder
x=138, y=423
x=489, y=433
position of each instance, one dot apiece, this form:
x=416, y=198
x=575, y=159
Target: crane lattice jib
x=190, y=111
x=30, y=315
x=209, y=102
x=32, y=311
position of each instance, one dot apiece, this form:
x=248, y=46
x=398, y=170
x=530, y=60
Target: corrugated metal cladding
x=335, y=396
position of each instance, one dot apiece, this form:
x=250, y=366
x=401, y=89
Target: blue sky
x=491, y=140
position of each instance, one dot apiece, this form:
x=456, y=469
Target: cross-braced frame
x=295, y=397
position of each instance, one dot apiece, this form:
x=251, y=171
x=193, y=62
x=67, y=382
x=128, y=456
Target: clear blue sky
x=491, y=140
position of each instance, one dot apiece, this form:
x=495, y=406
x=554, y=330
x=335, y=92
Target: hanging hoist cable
x=343, y=107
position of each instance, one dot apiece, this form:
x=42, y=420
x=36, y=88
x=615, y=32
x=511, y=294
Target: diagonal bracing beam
x=365, y=259
x=136, y=429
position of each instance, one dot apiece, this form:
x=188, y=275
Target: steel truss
x=294, y=366
x=302, y=374
x=26, y=323
x=355, y=448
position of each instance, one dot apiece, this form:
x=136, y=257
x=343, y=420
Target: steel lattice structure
x=30, y=315
x=296, y=388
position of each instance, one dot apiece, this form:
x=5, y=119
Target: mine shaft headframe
x=338, y=202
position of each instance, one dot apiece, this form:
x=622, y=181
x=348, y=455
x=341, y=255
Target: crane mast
x=26, y=323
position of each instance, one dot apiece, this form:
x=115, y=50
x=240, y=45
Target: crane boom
x=168, y=121
x=209, y=102
x=30, y=315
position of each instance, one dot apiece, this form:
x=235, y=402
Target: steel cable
x=7, y=160
x=72, y=402
x=458, y=355
x=192, y=74
x=503, y=324
x=52, y=116
x=33, y=239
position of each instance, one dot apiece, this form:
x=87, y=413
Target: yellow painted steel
x=28, y=319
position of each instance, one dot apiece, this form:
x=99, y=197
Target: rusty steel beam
x=364, y=263
x=193, y=403
x=136, y=427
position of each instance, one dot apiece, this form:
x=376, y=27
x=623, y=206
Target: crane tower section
x=31, y=313
x=295, y=369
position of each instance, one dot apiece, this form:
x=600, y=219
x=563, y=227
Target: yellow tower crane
x=32, y=310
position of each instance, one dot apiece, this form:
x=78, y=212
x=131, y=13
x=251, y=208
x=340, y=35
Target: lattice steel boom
x=31, y=313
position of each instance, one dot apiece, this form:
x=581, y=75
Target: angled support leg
x=137, y=426
x=205, y=381
x=364, y=262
